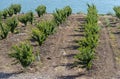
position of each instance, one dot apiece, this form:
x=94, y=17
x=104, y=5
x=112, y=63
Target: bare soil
x=58, y=51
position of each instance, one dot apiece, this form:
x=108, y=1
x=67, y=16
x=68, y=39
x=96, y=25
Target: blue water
x=103, y=6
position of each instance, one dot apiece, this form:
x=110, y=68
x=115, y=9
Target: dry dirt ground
x=58, y=51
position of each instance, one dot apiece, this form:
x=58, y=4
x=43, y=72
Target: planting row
x=11, y=23
x=90, y=40
x=60, y=15
x=16, y=8
x=23, y=52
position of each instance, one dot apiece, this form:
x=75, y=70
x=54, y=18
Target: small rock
x=60, y=68
x=64, y=53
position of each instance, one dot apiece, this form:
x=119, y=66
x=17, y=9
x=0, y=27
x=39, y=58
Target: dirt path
x=64, y=47
x=105, y=61
x=114, y=33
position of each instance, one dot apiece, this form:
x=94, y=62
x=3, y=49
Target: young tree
x=41, y=10
x=23, y=53
x=4, y=30
x=10, y=11
x=23, y=19
x=30, y=16
x=16, y=8
x=117, y=11
x=12, y=23
x=38, y=36
x=4, y=13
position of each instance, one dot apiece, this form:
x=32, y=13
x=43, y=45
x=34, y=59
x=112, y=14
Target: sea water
x=103, y=6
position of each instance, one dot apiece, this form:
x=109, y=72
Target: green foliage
x=92, y=16
x=43, y=29
x=68, y=10
x=0, y=15
x=4, y=30
x=12, y=23
x=90, y=41
x=30, y=16
x=16, y=8
x=23, y=54
x=85, y=57
x=10, y=11
x=47, y=27
x=117, y=11
x=23, y=19
x=38, y=36
x=41, y=10
x=91, y=29
x=4, y=13
x=60, y=15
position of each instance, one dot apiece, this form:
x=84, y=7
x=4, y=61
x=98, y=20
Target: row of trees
x=60, y=15
x=45, y=28
x=16, y=8
x=13, y=9
x=23, y=53
x=9, y=25
x=90, y=40
x=12, y=22
x=25, y=18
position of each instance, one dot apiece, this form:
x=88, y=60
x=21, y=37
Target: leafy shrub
x=41, y=10
x=4, y=30
x=47, y=27
x=92, y=16
x=91, y=29
x=4, y=13
x=90, y=41
x=10, y=11
x=30, y=16
x=85, y=57
x=16, y=8
x=12, y=23
x=38, y=36
x=23, y=19
x=117, y=11
x=23, y=54
x=68, y=11
x=60, y=15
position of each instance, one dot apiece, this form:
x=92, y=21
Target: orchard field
x=59, y=45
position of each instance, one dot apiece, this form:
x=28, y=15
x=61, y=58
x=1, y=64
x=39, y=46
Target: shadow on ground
x=116, y=33
x=77, y=35
x=70, y=55
x=71, y=76
x=73, y=47
x=7, y=75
